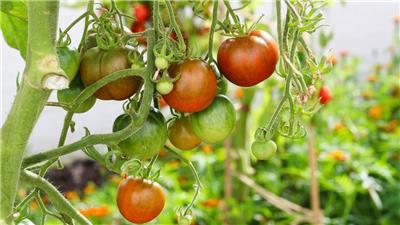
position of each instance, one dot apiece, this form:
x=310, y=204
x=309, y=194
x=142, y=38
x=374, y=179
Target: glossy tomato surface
x=248, y=60
x=148, y=140
x=215, y=123
x=140, y=200
x=263, y=150
x=181, y=134
x=97, y=63
x=196, y=87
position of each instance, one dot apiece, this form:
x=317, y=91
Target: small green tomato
x=263, y=150
x=185, y=220
x=164, y=87
x=161, y=63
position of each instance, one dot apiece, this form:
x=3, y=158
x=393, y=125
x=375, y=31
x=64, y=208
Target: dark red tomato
x=248, y=60
x=196, y=87
x=140, y=201
x=141, y=12
x=181, y=135
x=97, y=63
x=324, y=95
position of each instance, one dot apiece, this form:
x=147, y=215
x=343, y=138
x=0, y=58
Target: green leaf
x=14, y=24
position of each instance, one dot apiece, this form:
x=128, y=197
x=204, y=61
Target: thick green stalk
x=58, y=200
x=30, y=100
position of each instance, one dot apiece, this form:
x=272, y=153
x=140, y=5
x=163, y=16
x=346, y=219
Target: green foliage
x=14, y=24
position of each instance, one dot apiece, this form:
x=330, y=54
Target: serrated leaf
x=14, y=24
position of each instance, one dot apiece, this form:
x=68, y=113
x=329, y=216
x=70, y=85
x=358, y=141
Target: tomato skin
x=181, y=135
x=140, y=200
x=148, y=140
x=196, y=87
x=263, y=150
x=97, y=63
x=324, y=95
x=75, y=88
x=69, y=61
x=164, y=87
x=141, y=12
x=216, y=122
x=161, y=63
x=248, y=60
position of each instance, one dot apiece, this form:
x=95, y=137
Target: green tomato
x=69, y=61
x=164, y=87
x=263, y=150
x=161, y=63
x=148, y=140
x=75, y=88
x=216, y=122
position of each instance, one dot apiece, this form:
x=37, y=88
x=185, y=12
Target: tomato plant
x=196, y=87
x=216, y=122
x=263, y=150
x=147, y=141
x=97, y=63
x=140, y=201
x=181, y=134
x=248, y=60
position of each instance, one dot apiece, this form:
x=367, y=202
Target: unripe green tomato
x=68, y=95
x=263, y=150
x=185, y=220
x=161, y=63
x=164, y=87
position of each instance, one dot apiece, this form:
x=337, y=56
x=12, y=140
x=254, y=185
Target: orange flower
x=211, y=203
x=239, y=93
x=339, y=126
x=396, y=19
x=207, y=148
x=162, y=153
x=174, y=163
x=89, y=188
x=372, y=78
x=331, y=59
x=71, y=195
x=33, y=205
x=375, y=112
x=338, y=155
x=99, y=211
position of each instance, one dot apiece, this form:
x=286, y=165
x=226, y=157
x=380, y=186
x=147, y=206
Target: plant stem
x=30, y=100
x=174, y=24
x=212, y=30
x=59, y=202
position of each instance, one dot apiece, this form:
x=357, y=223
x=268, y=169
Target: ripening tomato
x=248, y=60
x=75, y=88
x=97, y=63
x=140, y=200
x=141, y=12
x=196, y=87
x=324, y=95
x=181, y=135
x=148, y=140
x=216, y=122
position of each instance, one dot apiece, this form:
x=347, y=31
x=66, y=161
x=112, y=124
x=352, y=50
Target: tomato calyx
x=136, y=168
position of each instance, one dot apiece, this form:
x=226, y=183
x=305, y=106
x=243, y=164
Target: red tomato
x=324, y=95
x=196, y=87
x=140, y=201
x=248, y=60
x=141, y=12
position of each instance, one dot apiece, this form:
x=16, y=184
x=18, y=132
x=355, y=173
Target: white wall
x=359, y=28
